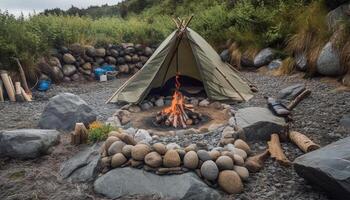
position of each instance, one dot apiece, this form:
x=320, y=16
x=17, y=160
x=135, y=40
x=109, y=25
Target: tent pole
x=230, y=83
x=238, y=72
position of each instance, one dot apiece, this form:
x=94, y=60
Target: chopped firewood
x=298, y=99
x=276, y=151
x=303, y=142
x=256, y=163
x=80, y=134
x=1, y=91
x=18, y=95
x=8, y=85
x=25, y=95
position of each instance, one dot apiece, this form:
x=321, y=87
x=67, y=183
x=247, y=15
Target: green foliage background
x=251, y=23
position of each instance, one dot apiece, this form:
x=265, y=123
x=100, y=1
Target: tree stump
x=80, y=134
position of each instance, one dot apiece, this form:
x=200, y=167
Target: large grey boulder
x=337, y=15
x=345, y=121
x=64, y=110
x=291, y=92
x=84, y=166
x=128, y=181
x=27, y=143
x=258, y=123
x=328, y=62
x=328, y=167
x=264, y=57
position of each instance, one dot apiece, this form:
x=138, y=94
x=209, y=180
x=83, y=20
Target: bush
x=99, y=131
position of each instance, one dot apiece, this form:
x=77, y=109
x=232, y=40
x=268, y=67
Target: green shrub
x=98, y=131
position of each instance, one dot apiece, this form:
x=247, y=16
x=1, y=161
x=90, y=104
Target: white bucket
x=103, y=78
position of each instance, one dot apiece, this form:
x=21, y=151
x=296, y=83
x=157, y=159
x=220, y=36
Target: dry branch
x=276, y=151
x=303, y=142
x=23, y=76
x=298, y=99
x=256, y=163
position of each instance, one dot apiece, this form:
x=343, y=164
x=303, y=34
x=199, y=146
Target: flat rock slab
x=128, y=181
x=258, y=123
x=291, y=92
x=83, y=166
x=64, y=110
x=27, y=143
x=328, y=167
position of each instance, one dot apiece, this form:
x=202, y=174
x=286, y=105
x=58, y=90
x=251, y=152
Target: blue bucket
x=44, y=85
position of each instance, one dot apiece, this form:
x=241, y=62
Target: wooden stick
x=256, y=163
x=8, y=86
x=303, y=142
x=298, y=99
x=233, y=87
x=276, y=151
x=25, y=95
x=23, y=76
x=1, y=91
x=177, y=25
x=19, y=96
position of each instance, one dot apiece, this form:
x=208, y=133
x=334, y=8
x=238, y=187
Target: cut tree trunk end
x=276, y=150
x=80, y=134
x=303, y=142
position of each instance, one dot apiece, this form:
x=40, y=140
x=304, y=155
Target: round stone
x=229, y=154
x=126, y=150
x=118, y=160
x=106, y=162
x=160, y=148
x=214, y=154
x=224, y=163
x=110, y=140
x=238, y=160
x=171, y=159
x=191, y=147
x=230, y=182
x=139, y=151
x=116, y=147
x=181, y=153
x=242, y=172
x=209, y=170
x=203, y=155
x=172, y=146
x=240, y=152
x=153, y=159
x=240, y=144
x=191, y=160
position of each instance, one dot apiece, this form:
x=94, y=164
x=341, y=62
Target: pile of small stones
x=77, y=62
x=222, y=166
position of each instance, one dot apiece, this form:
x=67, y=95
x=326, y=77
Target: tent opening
x=189, y=87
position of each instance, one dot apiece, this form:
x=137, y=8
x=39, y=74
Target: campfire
x=178, y=114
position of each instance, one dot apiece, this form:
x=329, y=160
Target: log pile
x=13, y=90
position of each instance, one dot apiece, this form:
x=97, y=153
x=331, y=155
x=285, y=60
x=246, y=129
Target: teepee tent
x=185, y=52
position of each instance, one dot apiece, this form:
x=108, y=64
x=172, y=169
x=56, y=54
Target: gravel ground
x=317, y=116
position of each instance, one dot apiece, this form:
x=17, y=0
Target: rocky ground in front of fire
x=317, y=116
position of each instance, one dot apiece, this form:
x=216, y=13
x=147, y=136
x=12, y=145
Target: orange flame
x=177, y=103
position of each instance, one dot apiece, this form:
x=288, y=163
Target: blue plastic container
x=44, y=85
x=98, y=72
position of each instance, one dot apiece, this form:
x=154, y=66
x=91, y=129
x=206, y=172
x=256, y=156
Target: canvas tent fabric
x=196, y=59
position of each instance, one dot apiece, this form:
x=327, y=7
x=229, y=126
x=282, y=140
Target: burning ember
x=178, y=114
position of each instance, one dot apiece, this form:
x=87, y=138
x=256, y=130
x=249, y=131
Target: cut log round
x=303, y=142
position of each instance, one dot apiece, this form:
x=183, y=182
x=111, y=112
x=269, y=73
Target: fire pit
x=178, y=114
